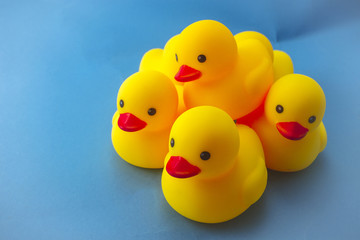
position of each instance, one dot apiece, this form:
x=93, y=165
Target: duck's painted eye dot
x=176, y=57
x=279, y=108
x=151, y=111
x=312, y=119
x=172, y=142
x=205, y=155
x=121, y=103
x=201, y=58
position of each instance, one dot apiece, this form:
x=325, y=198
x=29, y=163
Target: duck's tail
x=323, y=137
x=151, y=59
x=283, y=64
x=115, y=117
x=258, y=36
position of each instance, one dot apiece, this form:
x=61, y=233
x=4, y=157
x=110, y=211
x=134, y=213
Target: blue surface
x=61, y=64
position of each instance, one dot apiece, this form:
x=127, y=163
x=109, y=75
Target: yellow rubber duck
x=164, y=60
x=291, y=127
x=147, y=108
x=214, y=169
x=218, y=72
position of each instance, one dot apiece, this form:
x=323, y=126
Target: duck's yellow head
x=295, y=105
x=204, y=143
x=147, y=100
x=206, y=50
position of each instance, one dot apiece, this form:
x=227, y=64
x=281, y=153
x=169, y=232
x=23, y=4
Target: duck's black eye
x=205, y=155
x=151, y=111
x=279, y=108
x=176, y=57
x=312, y=119
x=121, y=103
x=172, y=142
x=201, y=58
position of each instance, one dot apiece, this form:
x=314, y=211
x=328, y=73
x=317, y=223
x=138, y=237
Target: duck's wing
x=259, y=67
x=255, y=184
x=252, y=165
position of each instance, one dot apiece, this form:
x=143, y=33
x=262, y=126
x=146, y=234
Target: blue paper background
x=61, y=64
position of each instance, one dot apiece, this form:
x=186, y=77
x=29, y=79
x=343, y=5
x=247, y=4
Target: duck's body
x=290, y=127
x=220, y=192
x=147, y=107
x=287, y=155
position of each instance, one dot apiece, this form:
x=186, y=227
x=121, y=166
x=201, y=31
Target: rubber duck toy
x=291, y=127
x=218, y=72
x=282, y=62
x=146, y=109
x=214, y=169
x=162, y=60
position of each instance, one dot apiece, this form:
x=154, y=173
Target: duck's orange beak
x=187, y=74
x=179, y=167
x=292, y=130
x=130, y=123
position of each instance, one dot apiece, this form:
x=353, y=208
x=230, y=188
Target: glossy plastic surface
x=61, y=66
x=214, y=169
x=147, y=107
x=291, y=128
